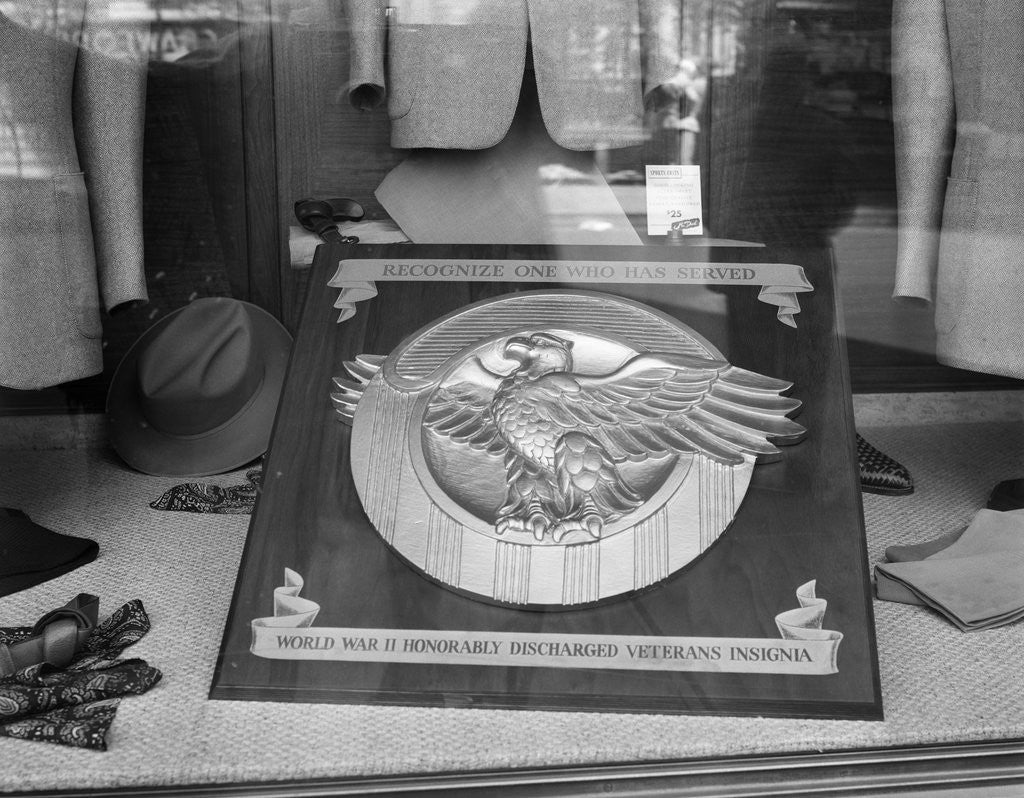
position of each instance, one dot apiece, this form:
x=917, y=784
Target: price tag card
x=673, y=200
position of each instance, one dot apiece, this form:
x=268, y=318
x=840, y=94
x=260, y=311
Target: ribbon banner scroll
x=805, y=648
x=779, y=283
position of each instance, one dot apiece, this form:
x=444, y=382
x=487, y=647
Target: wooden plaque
x=381, y=567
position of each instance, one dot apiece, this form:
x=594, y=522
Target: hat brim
x=241, y=440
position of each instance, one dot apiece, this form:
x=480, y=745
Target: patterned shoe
x=879, y=473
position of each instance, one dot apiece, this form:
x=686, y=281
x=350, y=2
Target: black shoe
x=1007, y=495
x=879, y=473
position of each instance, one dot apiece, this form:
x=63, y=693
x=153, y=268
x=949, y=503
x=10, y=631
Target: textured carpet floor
x=939, y=685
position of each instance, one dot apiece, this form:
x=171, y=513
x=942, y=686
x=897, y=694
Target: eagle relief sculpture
x=556, y=448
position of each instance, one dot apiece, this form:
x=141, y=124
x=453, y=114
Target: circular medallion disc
x=545, y=449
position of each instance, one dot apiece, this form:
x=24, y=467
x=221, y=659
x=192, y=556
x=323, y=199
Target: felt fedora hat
x=196, y=394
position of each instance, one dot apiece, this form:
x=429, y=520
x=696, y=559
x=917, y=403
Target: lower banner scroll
x=805, y=648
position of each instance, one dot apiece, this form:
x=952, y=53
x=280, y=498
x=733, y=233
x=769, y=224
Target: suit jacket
x=958, y=100
x=70, y=189
x=451, y=69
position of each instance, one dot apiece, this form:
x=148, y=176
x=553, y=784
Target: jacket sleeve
x=661, y=42
x=109, y=108
x=924, y=120
x=367, y=21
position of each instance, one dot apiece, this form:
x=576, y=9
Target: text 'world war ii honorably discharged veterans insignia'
x=556, y=448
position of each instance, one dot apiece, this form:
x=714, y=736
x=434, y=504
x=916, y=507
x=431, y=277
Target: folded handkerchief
x=919, y=551
x=977, y=581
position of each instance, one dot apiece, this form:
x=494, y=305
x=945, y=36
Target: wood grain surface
x=800, y=520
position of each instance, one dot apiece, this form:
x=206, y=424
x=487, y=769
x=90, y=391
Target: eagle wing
x=653, y=404
x=666, y=403
x=462, y=411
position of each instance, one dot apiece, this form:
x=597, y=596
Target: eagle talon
x=538, y=524
x=590, y=524
x=535, y=523
x=594, y=525
x=509, y=523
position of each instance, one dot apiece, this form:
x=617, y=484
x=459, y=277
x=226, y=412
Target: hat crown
x=201, y=370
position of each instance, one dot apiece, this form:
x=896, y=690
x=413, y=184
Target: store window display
x=515, y=122
x=503, y=107
x=960, y=171
x=960, y=177
x=71, y=205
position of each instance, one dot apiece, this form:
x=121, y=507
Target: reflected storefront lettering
x=163, y=31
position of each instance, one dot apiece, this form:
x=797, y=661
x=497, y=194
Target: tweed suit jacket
x=71, y=122
x=451, y=70
x=958, y=101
